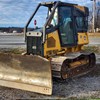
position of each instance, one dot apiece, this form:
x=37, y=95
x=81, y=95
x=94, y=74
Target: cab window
x=66, y=25
x=81, y=22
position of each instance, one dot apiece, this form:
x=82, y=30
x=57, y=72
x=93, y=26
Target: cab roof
x=48, y=4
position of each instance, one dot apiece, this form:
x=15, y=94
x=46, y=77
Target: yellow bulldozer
x=52, y=50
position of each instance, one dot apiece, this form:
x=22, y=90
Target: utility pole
x=93, y=20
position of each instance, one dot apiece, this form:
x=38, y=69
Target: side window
x=81, y=22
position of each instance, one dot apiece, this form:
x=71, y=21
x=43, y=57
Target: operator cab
x=68, y=19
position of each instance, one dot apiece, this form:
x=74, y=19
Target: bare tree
x=98, y=16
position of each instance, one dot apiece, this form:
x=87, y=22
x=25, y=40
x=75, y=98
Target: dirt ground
x=84, y=87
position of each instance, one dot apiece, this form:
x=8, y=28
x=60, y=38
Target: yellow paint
x=82, y=38
x=82, y=8
x=50, y=50
x=52, y=45
x=78, y=63
x=73, y=49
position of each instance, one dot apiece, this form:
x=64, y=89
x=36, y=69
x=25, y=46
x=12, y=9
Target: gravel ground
x=87, y=86
x=84, y=87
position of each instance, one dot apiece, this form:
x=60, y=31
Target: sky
x=15, y=13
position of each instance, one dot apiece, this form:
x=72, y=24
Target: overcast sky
x=17, y=12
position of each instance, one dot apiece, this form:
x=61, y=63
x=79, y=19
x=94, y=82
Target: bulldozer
x=53, y=50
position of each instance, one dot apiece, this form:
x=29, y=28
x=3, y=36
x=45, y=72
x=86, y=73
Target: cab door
x=68, y=35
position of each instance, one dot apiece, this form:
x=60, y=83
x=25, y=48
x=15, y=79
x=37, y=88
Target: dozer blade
x=27, y=72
